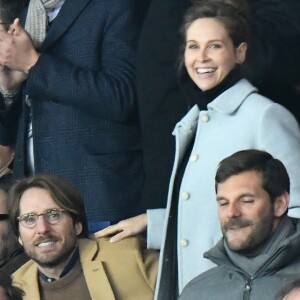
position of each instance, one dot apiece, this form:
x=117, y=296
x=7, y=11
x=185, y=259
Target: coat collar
x=280, y=256
x=66, y=16
x=27, y=280
x=227, y=103
x=93, y=268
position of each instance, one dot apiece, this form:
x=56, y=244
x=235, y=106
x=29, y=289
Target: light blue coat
x=238, y=119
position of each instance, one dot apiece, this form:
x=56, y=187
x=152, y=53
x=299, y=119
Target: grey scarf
x=37, y=19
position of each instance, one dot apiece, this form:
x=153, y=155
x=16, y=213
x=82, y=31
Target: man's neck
x=252, y=263
x=56, y=271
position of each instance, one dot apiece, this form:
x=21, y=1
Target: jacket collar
x=227, y=103
x=93, y=268
x=279, y=257
x=66, y=16
x=28, y=280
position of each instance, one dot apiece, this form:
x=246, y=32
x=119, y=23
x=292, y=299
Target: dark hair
x=275, y=179
x=12, y=292
x=62, y=192
x=233, y=14
x=9, y=10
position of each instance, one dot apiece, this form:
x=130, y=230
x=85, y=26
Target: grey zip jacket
x=233, y=280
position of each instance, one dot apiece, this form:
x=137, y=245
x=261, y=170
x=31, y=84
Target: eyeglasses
x=51, y=216
x=3, y=217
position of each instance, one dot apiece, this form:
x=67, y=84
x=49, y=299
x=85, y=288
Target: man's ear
x=281, y=204
x=78, y=228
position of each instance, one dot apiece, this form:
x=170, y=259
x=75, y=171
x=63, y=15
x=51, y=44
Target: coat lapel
x=29, y=281
x=94, y=272
x=66, y=16
x=184, y=132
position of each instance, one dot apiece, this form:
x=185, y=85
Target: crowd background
x=163, y=95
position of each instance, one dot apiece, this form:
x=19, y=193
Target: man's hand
x=124, y=228
x=16, y=49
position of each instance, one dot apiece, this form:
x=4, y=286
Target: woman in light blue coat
x=229, y=117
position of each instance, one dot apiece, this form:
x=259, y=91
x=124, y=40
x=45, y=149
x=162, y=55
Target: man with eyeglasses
x=12, y=255
x=48, y=217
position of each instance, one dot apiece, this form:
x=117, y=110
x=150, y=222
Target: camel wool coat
x=121, y=271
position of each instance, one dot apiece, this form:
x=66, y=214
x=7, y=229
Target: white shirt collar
x=54, y=11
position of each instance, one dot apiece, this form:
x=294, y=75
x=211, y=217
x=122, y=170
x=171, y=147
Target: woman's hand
x=125, y=228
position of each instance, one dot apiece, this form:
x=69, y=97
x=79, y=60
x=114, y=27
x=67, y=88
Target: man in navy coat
x=68, y=102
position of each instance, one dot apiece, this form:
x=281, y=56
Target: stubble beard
x=52, y=260
x=262, y=231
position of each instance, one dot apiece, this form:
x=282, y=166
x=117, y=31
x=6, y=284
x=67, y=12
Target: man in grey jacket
x=259, y=250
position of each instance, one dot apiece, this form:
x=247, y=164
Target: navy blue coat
x=84, y=107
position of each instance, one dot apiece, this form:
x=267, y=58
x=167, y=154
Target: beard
x=52, y=259
x=261, y=231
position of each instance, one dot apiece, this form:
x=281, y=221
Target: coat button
x=185, y=196
x=204, y=118
x=184, y=243
x=193, y=157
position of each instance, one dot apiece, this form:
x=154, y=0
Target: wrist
x=32, y=63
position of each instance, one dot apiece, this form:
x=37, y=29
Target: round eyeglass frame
x=46, y=215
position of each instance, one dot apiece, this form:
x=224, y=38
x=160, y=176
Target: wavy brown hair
x=62, y=192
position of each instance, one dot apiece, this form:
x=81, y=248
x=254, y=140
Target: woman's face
x=209, y=53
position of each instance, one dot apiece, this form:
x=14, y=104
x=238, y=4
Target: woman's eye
x=214, y=46
x=192, y=46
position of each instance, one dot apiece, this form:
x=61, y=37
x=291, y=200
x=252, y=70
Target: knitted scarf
x=37, y=19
